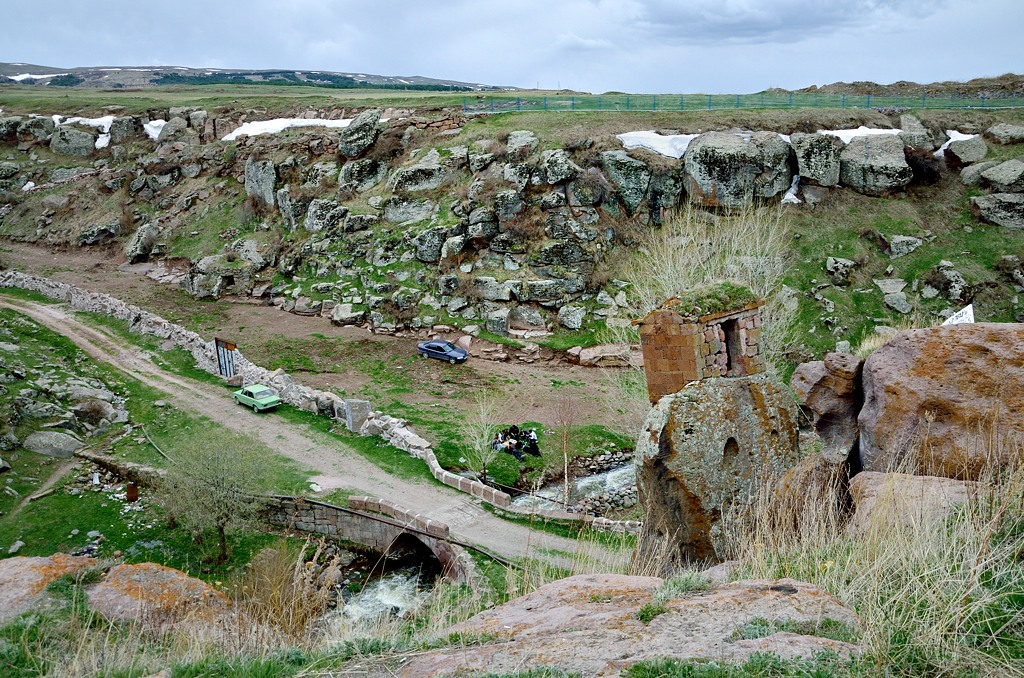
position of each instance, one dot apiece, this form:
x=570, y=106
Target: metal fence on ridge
x=717, y=102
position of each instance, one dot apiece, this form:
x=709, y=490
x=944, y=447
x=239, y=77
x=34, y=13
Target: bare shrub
x=388, y=146
x=477, y=429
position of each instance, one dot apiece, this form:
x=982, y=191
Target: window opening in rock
x=229, y=282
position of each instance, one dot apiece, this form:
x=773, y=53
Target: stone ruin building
x=712, y=332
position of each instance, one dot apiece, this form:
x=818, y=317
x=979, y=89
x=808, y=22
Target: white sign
x=964, y=315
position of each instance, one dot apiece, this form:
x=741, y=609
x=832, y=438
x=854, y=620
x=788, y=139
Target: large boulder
x=23, y=581
x=152, y=593
x=556, y=166
x=885, y=500
x=216, y=275
x=1005, y=133
x=971, y=175
x=1001, y=209
x=875, y=165
x=260, y=177
x=9, y=128
x=52, y=444
x=830, y=389
x=965, y=151
x=715, y=442
x=631, y=177
x=593, y=625
x=68, y=140
x=360, y=134
x=726, y=170
x=34, y=131
x=1006, y=177
x=125, y=128
x=817, y=158
x=937, y=401
x=521, y=143
x=400, y=210
x=141, y=243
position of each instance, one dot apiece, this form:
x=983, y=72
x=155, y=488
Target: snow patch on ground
x=669, y=145
x=29, y=76
x=953, y=136
x=280, y=124
x=847, y=135
x=790, y=197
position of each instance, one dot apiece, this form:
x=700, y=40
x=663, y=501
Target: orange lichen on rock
x=152, y=591
x=55, y=567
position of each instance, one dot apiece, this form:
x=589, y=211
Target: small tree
x=566, y=420
x=478, y=428
x=213, y=485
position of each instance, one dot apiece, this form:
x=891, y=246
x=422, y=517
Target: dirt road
x=336, y=465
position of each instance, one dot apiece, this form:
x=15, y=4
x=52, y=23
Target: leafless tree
x=478, y=428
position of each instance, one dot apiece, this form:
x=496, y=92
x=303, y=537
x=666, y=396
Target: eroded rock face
x=830, y=388
x=875, y=165
x=260, y=177
x=706, y=446
x=588, y=625
x=933, y=397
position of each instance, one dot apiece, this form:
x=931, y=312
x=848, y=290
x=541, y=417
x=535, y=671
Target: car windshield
x=446, y=346
x=261, y=392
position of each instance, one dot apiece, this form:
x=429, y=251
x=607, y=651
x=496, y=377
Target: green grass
x=27, y=295
x=759, y=665
x=759, y=627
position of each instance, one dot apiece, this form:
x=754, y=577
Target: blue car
x=443, y=350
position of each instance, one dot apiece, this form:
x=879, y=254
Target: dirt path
x=336, y=465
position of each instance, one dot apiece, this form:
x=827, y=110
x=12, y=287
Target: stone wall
x=678, y=351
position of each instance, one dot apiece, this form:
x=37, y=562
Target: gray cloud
x=591, y=45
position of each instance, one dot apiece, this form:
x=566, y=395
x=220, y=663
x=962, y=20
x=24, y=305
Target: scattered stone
x=1001, y=209
x=902, y=245
x=1006, y=177
x=897, y=301
x=971, y=175
x=890, y=285
x=571, y=317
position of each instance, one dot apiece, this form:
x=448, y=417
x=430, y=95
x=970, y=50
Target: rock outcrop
x=260, y=178
x=23, y=581
x=153, y=593
x=589, y=625
x=945, y=401
x=69, y=140
x=360, y=134
x=713, y=443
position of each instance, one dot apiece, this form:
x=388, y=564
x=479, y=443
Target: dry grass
x=937, y=597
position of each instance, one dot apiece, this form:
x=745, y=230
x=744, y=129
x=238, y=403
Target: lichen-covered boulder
x=521, y=143
x=914, y=134
x=966, y=151
x=364, y=174
x=34, y=131
x=1006, y=177
x=630, y=177
x=1005, y=133
x=52, y=444
x=141, y=243
x=69, y=140
x=152, y=593
x=875, y=165
x=817, y=158
x=23, y=580
x=713, y=443
x=324, y=215
x=260, y=177
x=424, y=175
x=400, y=210
x=726, y=170
x=125, y=128
x=1001, y=209
x=556, y=166
x=360, y=134
x=935, y=400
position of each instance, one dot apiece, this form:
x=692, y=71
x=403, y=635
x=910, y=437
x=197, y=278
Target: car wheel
x=256, y=409
x=452, y=361
x=423, y=355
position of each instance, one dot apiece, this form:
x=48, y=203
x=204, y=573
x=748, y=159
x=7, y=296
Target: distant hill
x=1000, y=87
x=131, y=77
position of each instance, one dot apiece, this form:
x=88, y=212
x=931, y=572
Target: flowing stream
x=550, y=496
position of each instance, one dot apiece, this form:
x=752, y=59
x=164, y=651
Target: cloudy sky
x=650, y=46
